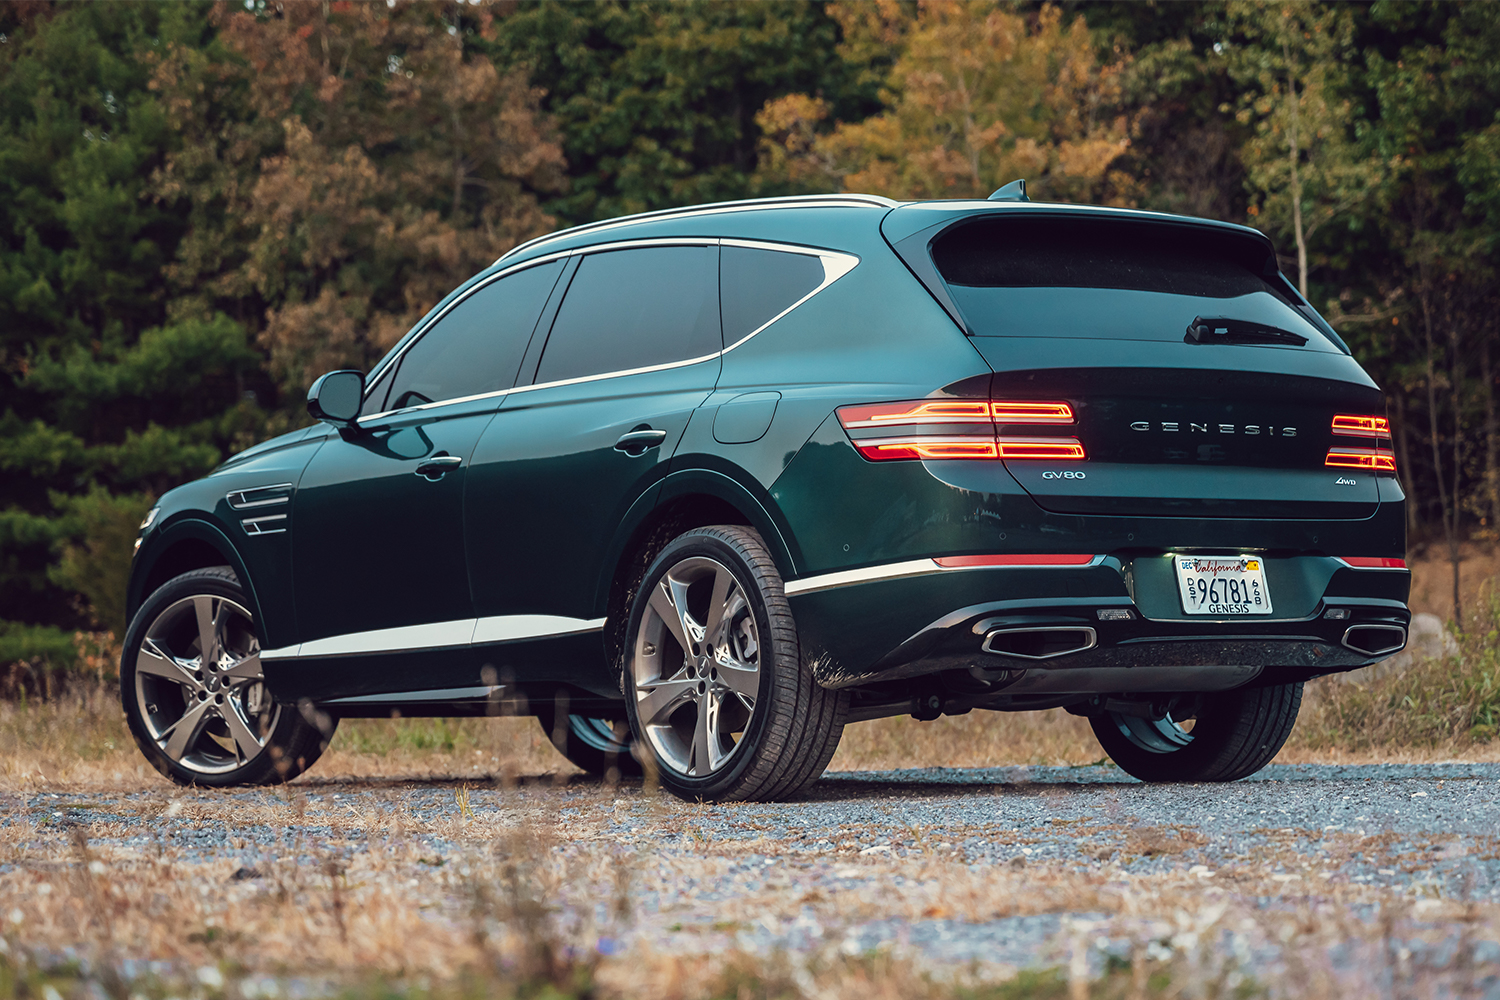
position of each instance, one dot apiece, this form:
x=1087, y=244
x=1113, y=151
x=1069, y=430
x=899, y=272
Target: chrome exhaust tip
x=1375, y=640
x=1040, y=643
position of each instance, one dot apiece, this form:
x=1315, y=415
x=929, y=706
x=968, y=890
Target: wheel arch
x=693, y=498
x=183, y=546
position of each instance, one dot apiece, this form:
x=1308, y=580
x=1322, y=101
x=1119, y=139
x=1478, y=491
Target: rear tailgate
x=1231, y=419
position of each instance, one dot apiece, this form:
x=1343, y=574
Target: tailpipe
x=1040, y=643
x=1375, y=640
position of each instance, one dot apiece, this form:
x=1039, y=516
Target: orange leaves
x=978, y=95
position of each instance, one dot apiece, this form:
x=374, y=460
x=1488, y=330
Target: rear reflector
x=1369, y=459
x=1371, y=562
x=963, y=562
x=945, y=429
x=1362, y=426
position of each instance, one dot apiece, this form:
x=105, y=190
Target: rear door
x=633, y=350
x=1200, y=384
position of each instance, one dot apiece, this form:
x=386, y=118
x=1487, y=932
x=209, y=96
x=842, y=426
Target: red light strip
x=1020, y=412
x=1369, y=459
x=1361, y=426
x=1371, y=562
x=940, y=411
x=925, y=448
x=966, y=562
x=1056, y=449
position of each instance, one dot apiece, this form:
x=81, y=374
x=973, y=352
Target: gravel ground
x=998, y=869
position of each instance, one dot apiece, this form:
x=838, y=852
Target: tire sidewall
x=700, y=543
x=196, y=583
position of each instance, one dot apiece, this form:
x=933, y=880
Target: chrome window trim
x=386, y=364
x=723, y=208
x=836, y=264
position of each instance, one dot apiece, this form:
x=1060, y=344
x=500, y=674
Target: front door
x=380, y=574
x=633, y=350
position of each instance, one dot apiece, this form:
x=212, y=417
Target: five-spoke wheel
x=717, y=693
x=195, y=694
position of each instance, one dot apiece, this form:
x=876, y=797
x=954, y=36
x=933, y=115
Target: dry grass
x=504, y=895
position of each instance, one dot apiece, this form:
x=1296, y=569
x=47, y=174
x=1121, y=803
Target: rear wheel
x=1214, y=737
x=596, y=746
x=194, y=694
x=718, y=696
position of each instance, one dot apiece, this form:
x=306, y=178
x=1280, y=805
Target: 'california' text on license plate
x=1222, y=585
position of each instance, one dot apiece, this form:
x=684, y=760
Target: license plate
x=1223, y=586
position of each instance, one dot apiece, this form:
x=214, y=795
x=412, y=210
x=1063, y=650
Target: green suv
x=698, y=488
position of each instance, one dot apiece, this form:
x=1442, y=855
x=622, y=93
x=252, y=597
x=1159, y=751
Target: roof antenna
x=1014, y=191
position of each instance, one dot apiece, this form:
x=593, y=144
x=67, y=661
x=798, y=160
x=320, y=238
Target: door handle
x=437, y=467
x=637, y=442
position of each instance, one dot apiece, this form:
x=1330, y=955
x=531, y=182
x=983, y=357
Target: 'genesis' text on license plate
x=1222, y=585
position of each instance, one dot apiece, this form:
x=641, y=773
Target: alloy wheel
x=1164, y=735
x=199, y=686
x=697, y=666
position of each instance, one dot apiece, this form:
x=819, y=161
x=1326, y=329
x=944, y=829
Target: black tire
x=237, y=735
x=596, y=746
x=789, y=733
x=1236, y=733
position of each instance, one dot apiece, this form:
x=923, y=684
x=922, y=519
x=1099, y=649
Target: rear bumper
x=1114, y=625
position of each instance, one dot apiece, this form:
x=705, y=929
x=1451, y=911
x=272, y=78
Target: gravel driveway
x=990, y=871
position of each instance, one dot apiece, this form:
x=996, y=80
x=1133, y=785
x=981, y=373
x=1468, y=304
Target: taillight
x=1377, y=459
x=1369, y=459
x=1025, y=412
x=944, y=429
x=1059, y=449
x=1362, y=426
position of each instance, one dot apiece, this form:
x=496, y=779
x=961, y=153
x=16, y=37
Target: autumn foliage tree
x=979, y=94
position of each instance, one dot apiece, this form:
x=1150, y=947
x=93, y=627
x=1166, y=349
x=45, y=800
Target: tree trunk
x=1450, y=525
x=1456, y=387
x=1491, y=473
x=1295, y=150
x=1403, y=465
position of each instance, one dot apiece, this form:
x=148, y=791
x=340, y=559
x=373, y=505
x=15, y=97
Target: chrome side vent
x=271, y=524
x=260, y=496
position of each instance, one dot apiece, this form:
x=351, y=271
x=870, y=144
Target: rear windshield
x=1118, y=279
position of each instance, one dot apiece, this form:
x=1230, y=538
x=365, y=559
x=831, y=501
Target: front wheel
x=1215, y=737
x=720, y=701
x=194, y=694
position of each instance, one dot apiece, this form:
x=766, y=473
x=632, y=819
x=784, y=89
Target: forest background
x=204, y=206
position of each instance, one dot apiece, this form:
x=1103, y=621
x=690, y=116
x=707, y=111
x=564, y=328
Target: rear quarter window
x=759, y=285
x=1108, y=278
x=636, y=308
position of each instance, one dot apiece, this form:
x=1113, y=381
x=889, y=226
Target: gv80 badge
x=1181, y=427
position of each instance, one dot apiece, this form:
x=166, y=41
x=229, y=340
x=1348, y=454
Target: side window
x=759, y=285
x=476, y=347
x=633, y=309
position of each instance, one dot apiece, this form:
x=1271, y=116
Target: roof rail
x=788, y=201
